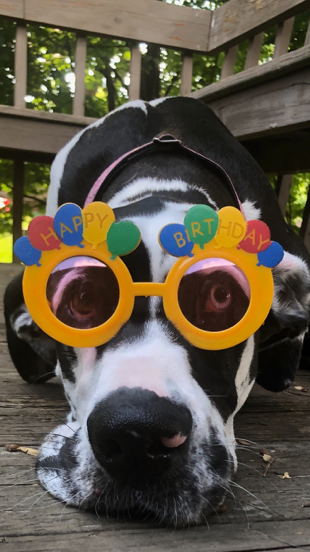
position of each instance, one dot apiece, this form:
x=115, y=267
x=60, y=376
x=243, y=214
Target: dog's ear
x=282, y=335
x=32, y=351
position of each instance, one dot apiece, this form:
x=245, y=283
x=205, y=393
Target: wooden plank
x=305, y=226
x=35, y=135
x=229, y=62
x=135, y=72
x=254, y=50
x=20, y=65
x=29, y=157
x=283, y=37
x=237, y=20
x=9, y=110
x=283, y=191
x=18, y=196
x=263, y=513
x=273, y=107
x=282, y=154
x=12, y=8
x=80, y=66
x=141, y=20
x=186, y=75
x=271, y=70
x=216, y=539
x=307, y=39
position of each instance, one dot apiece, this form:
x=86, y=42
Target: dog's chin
x=70, y=472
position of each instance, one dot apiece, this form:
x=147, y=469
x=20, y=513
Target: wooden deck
x=269, y=513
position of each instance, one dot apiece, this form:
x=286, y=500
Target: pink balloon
x=42, y=235
x=257, y=237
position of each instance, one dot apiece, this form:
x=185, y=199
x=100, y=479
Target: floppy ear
x=282, y=335
x=32, y=351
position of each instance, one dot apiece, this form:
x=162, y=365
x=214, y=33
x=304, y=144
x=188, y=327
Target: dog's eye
x=82, y=303
x=83, y=292
x=214, y=295
x=219, y=298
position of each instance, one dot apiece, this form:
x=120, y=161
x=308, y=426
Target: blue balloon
x=28, y=254
x=272, y=256
x=68, y=224
x=174, y=239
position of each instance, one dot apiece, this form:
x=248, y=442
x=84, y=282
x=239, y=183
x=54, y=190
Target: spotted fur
x=148, y=353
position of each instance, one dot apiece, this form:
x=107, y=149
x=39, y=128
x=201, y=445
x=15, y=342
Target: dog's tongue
x=173, y=442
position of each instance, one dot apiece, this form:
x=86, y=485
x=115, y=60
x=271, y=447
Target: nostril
x=111, y=448
x=157, y=450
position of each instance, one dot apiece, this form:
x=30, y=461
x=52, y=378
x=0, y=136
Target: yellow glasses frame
x=259, y=277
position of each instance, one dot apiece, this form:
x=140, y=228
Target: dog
x=150, y=430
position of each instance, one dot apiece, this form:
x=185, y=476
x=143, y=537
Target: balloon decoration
x=257, y=237
x=201, y=223
x=68, y=224
x=96, y=224
x=271, y=256
x=97, y=218
x=123, y=238
x=174, y=239
x=231, y=228
x=42, y=235
x=26, y=252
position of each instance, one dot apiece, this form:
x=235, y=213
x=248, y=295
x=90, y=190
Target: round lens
x=214, y=294
x=82, y=292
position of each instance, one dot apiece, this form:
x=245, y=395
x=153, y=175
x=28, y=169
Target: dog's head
x=151, y=429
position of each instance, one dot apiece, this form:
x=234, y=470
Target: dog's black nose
x=137, y=435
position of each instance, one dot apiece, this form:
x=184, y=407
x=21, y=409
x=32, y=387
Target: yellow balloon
x=97, y=219
x=231, y=228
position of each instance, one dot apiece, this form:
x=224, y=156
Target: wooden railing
x=192, y=31
x=187, y=29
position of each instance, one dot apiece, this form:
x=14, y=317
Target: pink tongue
x=174, y=442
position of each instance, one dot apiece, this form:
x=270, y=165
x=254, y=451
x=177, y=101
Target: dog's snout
x=137, y=435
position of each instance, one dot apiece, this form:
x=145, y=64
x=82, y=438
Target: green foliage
x=297, y=200
x=35, y=191
x=7, y=47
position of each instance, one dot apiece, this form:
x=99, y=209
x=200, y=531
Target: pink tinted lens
x=214, y=294
x=83, y=292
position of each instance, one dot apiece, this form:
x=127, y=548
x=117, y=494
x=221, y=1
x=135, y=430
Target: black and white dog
x=151, y=423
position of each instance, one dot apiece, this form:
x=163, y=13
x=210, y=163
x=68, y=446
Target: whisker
x=43, y=376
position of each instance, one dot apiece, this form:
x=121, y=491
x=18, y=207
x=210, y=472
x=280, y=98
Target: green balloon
x=123, y=237
x=201, y=222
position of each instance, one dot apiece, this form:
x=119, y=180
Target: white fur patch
x=243, y=385
x=289, y=266
x=160, y=100
x=145, y=187
x=251, y=212
x=57, y=170
x=153, y=362
x=58, y=165
x=135, y=104
x=24, y=319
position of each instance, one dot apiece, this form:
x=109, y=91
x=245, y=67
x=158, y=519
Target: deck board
x=267, y=515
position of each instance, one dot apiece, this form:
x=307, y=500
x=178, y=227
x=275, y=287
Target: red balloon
x=257, y=237
x=42, y=235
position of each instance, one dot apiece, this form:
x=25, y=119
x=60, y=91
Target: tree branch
x=172, y=83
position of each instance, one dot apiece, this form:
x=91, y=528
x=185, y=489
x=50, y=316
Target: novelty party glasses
x=79, y=291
